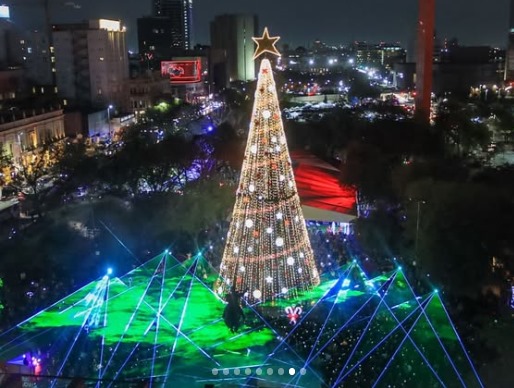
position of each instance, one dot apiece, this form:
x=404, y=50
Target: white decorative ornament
x=242, y=268
x=269, y=280
x=290, y=260
x=236, y=249
x=257, y=294
x=282, y=140
x=251, y=188
x=269, y=230
x=297, y=218
x=302, y=255
x=300, y=270
x=253, y=149
x=249, y=223
x=290, y=184
x=279, y=242
x=266, y=114
x=220, y=290
x=279, y=216
x=282, y=178
x=250, y=249
x=277, y=148
x=271, y=89
x=284, y=290
x=274, y=139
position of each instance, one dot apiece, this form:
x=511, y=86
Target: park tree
x=163, y=116
x=147, y=164
x=179, y=219
x=75, y=167
x=380, y=234
x=459, y=227
x=32, y=172
x=204, y=203
x=360, y=87
x=502, y=114
x=366, y=168
x=5, y=163
x=164, y=165
x=227, y=145
x=462, y=132
x=122, y=170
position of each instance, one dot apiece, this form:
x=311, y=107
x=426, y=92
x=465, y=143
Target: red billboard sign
x=182, y=71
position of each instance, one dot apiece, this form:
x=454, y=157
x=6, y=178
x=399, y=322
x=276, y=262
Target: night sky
x=299, y=22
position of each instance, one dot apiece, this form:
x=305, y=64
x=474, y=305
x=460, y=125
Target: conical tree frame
x=268, y=253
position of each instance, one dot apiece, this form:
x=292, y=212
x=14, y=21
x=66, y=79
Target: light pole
x=419, y=202
x=109, y=120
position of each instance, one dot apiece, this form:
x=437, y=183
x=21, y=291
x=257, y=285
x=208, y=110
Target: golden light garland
x=268, y=253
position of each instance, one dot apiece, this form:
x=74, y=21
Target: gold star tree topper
x=266, y=44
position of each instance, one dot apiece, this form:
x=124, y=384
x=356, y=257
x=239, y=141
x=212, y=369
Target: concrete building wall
x=155, y=37
x=246, y=29
x=66, y=68
x=30, y=132
x=143, y=92
x=38, y=62
x=232, y=44
x=91, y=63
x=10, y=44
x=12, y=84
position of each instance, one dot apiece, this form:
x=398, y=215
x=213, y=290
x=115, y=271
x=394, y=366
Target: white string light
x=273, y=246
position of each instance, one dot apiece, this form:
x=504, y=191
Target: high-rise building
x=91, y=62
x=509, y=63
x=39, y=58
x=180, y=13
x=232, y=48
x=157, y=39
x=10, y=41
x=382, y=54
x=425, y=57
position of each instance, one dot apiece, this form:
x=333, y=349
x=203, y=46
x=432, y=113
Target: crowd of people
x=332, y=246
x=27, y=295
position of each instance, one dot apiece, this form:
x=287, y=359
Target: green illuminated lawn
x=190, y=323
x=163, y=320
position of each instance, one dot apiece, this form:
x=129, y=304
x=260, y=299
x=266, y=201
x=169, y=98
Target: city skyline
x=389, y=22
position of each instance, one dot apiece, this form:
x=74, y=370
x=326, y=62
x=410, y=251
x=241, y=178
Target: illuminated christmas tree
x=268, y=253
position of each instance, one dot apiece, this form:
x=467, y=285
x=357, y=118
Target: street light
x=418, y=202
x=109, y=120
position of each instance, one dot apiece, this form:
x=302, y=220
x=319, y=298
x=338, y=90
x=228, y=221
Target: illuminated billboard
x=105, y=24
x=182, y=71
x=4, y=12
x=109, y=25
